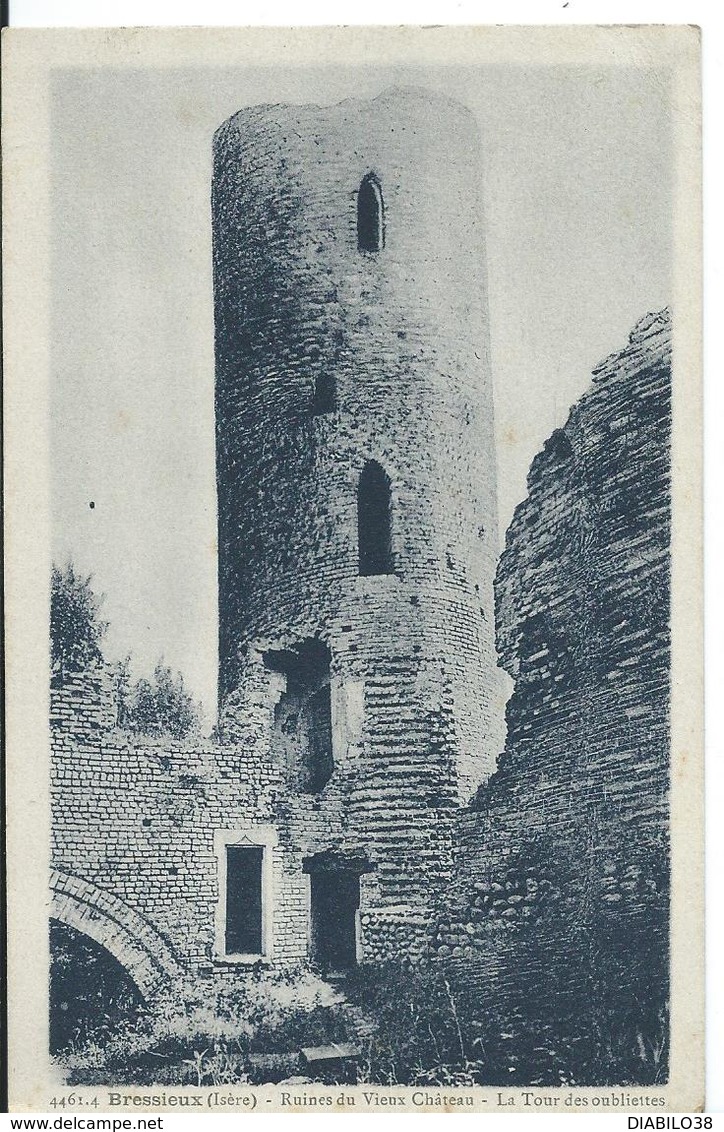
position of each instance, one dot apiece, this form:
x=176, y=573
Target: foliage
x=555, y=1006
x=438, y=1026
x=575, y=994
x=90, y=993
x=76, y=628
x=159, y=706
x=421, y=1037
x=209, y=1033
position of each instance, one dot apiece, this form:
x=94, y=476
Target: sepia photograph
x=362, y=757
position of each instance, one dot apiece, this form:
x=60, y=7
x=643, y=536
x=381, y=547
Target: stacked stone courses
x=137, y=818
x=583, y=596
x=400, y=335
x=583, y=628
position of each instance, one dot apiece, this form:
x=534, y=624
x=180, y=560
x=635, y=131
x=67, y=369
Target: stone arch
x=129, y=938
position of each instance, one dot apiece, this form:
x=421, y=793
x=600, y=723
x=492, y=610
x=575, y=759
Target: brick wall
x=134, y=822
x=573, y=823
x=402, y=336
x=136, y=818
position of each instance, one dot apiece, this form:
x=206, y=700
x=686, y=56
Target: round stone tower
x=356, y=469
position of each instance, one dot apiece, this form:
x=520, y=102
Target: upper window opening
x=374, y=527
x=325, y=394
x=370, y=216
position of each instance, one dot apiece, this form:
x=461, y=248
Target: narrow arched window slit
x=370, y=215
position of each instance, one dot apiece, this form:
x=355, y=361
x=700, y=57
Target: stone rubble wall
x=574, y=824
x=136, y=817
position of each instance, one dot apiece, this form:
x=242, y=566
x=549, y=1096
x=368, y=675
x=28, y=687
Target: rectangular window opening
x=244, y=904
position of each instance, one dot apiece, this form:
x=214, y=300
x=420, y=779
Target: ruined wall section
x=583, y=599
x=136, y=817
x=575, y=821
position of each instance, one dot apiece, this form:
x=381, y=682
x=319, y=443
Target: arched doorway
x=91, y=993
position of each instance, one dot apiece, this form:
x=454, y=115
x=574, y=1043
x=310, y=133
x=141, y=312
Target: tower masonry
x=356, y=494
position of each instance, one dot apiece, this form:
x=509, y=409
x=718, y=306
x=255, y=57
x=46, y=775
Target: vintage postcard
x=353, y=537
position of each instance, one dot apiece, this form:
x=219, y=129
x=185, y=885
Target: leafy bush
x=576, y=994
x=76, y=627
x=208, y=1033
x=443, y=1027
x=160, y=706
x=421, y=1036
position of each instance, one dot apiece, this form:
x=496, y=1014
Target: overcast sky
x=578, y=207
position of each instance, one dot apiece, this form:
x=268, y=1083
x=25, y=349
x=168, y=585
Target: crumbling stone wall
x=571, y=829
x=583, y=608
x=571, y=833
x=136, y=818
x=397, y=340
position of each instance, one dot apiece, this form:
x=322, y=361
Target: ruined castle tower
x=356, y=486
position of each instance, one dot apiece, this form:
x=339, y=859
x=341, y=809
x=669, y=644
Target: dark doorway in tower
x=334, y=944
x=374, y=526
x=303, y=714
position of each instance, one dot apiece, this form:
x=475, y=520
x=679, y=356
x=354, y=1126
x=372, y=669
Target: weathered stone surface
x=398, y=337
x=327, y=357
x=583, y=628
x=575, y=816
x=135, y=818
